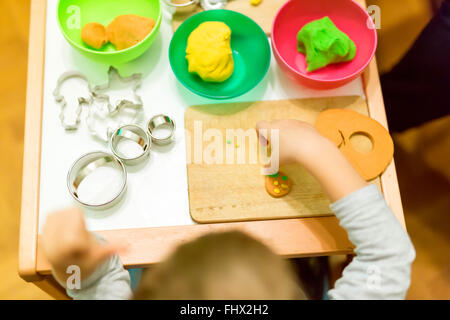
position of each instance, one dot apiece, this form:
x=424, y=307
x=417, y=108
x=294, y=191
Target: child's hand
x=66, y=242
x=298, y=141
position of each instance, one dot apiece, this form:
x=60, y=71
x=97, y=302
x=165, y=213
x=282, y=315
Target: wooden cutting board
x=263, y=14
x=236, y=192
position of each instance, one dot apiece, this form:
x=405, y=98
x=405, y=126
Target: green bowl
x=251, y=54
x=74, y=14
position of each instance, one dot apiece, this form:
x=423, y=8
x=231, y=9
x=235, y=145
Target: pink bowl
x=347, y=15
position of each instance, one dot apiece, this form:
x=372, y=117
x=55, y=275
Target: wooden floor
x=14, y=21
x=422, y=158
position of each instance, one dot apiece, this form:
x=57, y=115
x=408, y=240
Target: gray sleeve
x=381, y=268
x=110, y=281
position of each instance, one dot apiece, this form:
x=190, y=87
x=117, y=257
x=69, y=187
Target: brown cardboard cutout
x=339, y=125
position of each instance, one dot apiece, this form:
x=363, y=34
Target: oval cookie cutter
x=87, y=164
x=161, y=121
x=133, y=133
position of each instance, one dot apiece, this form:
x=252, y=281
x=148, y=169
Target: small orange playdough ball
x=127, y=30
x=94, y=35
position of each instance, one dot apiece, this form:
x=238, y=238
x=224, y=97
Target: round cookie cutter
x=186, y=7
x=87, y=164
x=213, y=4
x=136, y=134
x=161, y=121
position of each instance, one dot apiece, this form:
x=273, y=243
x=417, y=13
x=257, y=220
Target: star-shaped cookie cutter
x=135, y=79
x=114, y=109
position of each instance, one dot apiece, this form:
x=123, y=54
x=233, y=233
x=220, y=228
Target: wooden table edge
x=286, y=237
x=374, y=96
x=32, y=143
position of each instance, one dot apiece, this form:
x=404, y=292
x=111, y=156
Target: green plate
x=74, y=14
x=251, y=54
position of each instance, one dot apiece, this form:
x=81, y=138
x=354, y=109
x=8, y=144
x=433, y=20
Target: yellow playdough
x=209, y=52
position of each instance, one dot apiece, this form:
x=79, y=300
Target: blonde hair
x=228, y=265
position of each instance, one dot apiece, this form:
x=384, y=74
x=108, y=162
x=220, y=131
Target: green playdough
x=323, y=44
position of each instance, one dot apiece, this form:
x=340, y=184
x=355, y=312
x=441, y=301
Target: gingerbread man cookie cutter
x=98, y=96
x=63, y=102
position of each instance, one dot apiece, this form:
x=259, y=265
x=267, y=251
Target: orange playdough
x=339, y=125
x=127, y=30
x=94, y=35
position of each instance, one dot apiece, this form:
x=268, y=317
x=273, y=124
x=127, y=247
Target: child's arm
x=382, y=266
x=66, y=242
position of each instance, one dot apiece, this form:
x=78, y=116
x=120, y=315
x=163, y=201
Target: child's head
x=229, y=265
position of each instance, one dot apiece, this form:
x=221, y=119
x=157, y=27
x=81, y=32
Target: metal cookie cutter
x=101, y=122
x=133, y=133
x=113, y=113
x=158, y=122
x=186, y=7
x=113, y=75
x=213, y=4
x=84, y=166
x=61, y=100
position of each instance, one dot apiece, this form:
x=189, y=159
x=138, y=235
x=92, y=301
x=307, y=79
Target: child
x=232, y=265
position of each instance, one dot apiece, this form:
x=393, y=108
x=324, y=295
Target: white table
x=144, y=204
